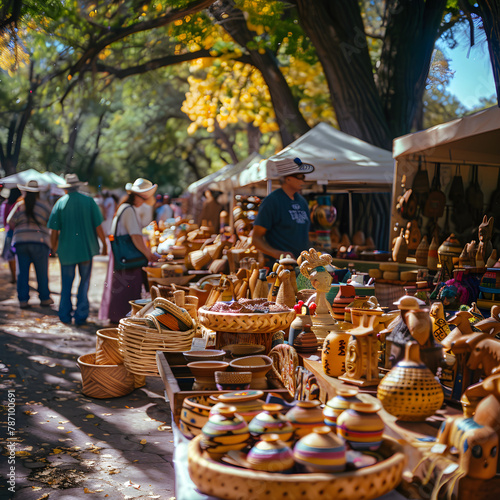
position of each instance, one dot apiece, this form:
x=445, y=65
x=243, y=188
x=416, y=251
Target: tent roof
x=340, y=159
x=472, y=139
x=43, y=178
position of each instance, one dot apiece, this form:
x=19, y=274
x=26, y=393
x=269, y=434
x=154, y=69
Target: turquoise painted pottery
x=194, y=415
x=271, y=454
x=305, y=416
x=271, y=421
x=247, y=403
x=342, y=401
x=224, y=431
x=321, y=451
x=361, y=426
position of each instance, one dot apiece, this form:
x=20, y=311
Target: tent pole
x=349, y=194
x=269, y=186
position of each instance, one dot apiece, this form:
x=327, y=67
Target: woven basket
x=104, y=381
x=107, y=348
x=138, y=345
x=224, y=481
x=245, y=323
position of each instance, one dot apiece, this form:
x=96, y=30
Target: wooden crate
x=178, y=382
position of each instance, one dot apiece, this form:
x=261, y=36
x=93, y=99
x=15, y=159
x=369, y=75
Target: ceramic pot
x=333, y=353
x=259, y=365
x=409, y=391
x=306, y=341
x=342, y=401
x=361, y=426
x=204, y=373
x=305, y=416
x=298, y=324
x=247, y=403
x=270, y=420
x=194, y=415
x=321, y=451
x=224, y=431
x=271, y=454
x=243, y=350
x=344, y=297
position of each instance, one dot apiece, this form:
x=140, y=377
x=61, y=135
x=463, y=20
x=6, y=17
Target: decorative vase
x=345, y=397
x=432, y=258
x=344, y=297
x=271, y=454
x=303, y=318
x=409, y=391
x=321, y=451
x=247, y=403
x=270, y=421
x=306, y=341
x=448, y=255
x=333, y=353
x=422, y=252
x=361, y=426
x=194, y=415
x=224, y=431
x=305, y=416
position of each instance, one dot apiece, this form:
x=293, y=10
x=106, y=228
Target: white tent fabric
x=340, y=160
x=43, y=178
x=471, y=139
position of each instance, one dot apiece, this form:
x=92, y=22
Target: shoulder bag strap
x=118, y=219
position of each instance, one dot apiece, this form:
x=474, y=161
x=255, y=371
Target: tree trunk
x=490, y=13
x=335, y=27
x=411, y=32
x=290, y=121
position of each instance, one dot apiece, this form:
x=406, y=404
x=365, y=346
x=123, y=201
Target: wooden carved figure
x=362, y=354
x=485, y=246
x=286, y=294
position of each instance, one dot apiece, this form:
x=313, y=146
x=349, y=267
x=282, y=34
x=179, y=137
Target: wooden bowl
x=204, y=355
x=243, y=350
x=259, y=365
x=204, y=369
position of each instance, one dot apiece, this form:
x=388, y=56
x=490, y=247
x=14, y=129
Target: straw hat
x=31, y=186
x=72, y=181
x=142, y=187
x=291, y=166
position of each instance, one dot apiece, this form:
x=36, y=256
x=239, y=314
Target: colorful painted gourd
x=271, y=454
x=361, y=427
x=321, y=451
x=247, y=403
x=333, y=354
x=410, y=391
x=335, y=406
x=270, y=421
x=223, y=432
x=305, y=416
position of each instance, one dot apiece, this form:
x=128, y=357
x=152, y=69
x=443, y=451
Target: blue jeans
x=26, y=253
x=82, y=300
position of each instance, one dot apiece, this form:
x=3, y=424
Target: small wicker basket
x=104, y=381
x=245, y=322
x=107, y=348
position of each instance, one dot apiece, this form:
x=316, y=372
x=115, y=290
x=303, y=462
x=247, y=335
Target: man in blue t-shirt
x=282, y=223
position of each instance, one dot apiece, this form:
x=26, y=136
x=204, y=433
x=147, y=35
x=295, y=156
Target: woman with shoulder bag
x=129, y=253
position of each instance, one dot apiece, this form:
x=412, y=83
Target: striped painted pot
x=271, y=455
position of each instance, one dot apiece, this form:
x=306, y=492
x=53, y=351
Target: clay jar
x=259, y=365
x=321, y=451
x=247, y=403
x=271, y=454
x=409, y=391
x=343, y=400
x=305, y=416
x=333, y=353
x=224, y=431
x=302, y=319
x=204, y=373
x=194, y=415
x=361, y=426
x=270, y=421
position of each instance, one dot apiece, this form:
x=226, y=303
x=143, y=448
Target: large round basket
x=106, y=352
x=104, y=381
x=138, y=345
x=245, y=322
x=231, y=483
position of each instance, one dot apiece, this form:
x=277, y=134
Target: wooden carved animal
x=463, y=327
x=491, y=324
x=485, y=353
x=485, y=231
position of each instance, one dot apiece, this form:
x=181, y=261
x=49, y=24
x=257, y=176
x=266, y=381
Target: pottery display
x=305, y=416
x=271, y=454
x=410, y=391
x=343, y=400
x=270, y=420
x=204, y=355
x=321, y=451
x=306, y=341
x=333, y=353
x=233, y=381
x=242, y=350
x=344, y=297
x=361, y=426
x=194, y=415
x=248, y=403
x=259, y=365
x=204, y=373
x=224, y=431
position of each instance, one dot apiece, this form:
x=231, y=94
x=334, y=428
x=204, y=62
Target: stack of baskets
x=167, y=327
x=104, y=374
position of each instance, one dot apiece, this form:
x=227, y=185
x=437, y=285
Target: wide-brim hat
x=144, y=188
x=31, y=186
x=291, y=166
x=71, y=180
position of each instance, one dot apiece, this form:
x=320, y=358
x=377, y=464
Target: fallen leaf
x=56, y=451
x=86, y=490
x=60, y=427
x=143, y=441
x=89, y=416
x=29, y=412
x=36, y=488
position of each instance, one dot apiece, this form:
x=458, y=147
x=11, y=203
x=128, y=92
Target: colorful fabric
x=27, y=230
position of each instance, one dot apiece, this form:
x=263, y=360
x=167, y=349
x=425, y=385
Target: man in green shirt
x=75, y=222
